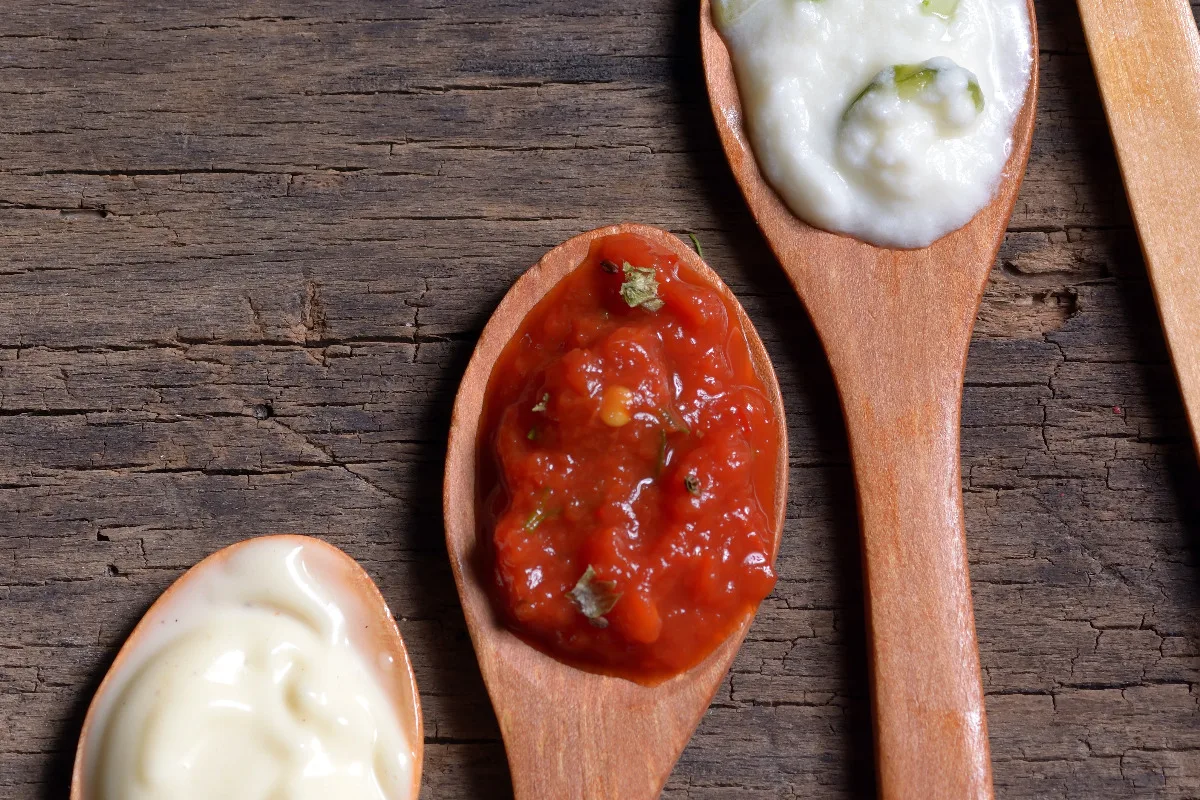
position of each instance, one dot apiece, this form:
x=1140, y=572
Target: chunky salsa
x=629, y=454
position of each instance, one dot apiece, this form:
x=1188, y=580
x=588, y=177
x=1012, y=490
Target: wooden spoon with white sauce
x=569, y=734
x=227, y=684
x=896, y=325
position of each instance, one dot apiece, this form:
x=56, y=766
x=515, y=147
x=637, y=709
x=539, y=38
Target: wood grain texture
x=370, y=628
x=572, y=735
x=895, y=325
x=246, y=251
x=1147, y=61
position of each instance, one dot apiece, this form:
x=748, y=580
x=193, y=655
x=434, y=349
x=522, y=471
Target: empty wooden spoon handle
x=896, y=330
x=931, y=733
x=1147, y=60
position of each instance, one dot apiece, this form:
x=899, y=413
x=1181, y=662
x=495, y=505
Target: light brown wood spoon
x=1147, y=61
x=370, y=628
x=569, y=734
x=896, y=325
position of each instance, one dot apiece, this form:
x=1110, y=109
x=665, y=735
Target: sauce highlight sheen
x=629, y=456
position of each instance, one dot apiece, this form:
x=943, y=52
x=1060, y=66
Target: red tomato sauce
x=627, y=469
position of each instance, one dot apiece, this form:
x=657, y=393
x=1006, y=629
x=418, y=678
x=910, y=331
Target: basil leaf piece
x=640, y=288
x=594, y=598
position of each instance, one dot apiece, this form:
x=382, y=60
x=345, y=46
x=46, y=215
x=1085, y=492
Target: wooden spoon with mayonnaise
x=369, y=626
x=896, y=325
x=569, y=734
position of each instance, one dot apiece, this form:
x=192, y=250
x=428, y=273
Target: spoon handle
x=1147, y=61
x=930, y=728
x=896, y=332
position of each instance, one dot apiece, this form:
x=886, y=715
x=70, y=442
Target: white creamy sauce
x=248, y=687
x=907, y=162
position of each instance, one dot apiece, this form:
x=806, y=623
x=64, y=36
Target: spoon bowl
x=369, y=626
x=570, y=734
x=896, y=325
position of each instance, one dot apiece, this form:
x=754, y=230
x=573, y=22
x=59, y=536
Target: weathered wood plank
x=244, y=253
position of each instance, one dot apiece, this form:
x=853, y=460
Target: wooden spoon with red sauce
x=896, y=325
x=571, y=734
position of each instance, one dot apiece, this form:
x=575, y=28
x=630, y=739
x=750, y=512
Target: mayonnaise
x=248, y=686
x=888, y=120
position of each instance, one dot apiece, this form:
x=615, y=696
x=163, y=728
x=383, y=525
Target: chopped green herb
x=536, y=518
x=594, y=598
x=532, y=435
x=908, y=81
x=696, y=244
x=692, y=483
x=640, y=288
x=976, y=95
x=541, y=406
x=853, y=103
x=911, y=79
x=939, y=8
x=675, y=422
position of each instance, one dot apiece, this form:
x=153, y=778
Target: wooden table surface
x=245, y=251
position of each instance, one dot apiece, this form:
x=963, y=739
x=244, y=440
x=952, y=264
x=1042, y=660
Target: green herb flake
x=594, y=598
x=909, y=81
x=912, y=79
x=674, y=422
x=853, y=103
x=536, y=518
x=640, y=288
x=532, y=435
x=939, y=8
x=692, y=484
x=976, y=95
x=541, y=406
x=696, y=244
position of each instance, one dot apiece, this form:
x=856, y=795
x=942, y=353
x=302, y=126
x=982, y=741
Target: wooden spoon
x=371, y=628
x=896, y=325
x=569, y=734
x=1147, y=61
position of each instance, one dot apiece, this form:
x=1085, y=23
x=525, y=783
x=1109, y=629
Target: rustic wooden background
x=246, y=247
